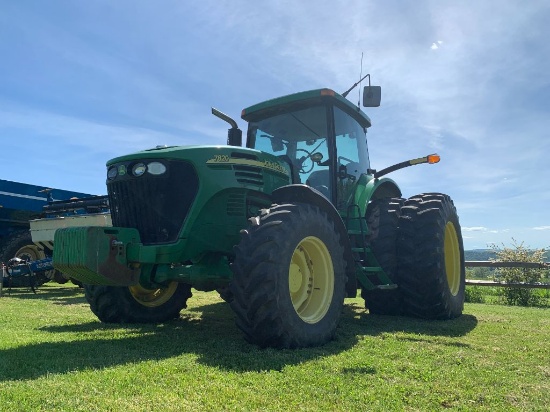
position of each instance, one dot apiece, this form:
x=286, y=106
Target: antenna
x=359, y=91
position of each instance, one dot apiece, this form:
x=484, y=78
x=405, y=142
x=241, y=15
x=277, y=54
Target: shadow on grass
x=209, y=333
x=376, y=324
x=213, y=338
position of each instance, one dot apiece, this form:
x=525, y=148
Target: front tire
x=136, y=304
x=289, y=278
x=431, y=272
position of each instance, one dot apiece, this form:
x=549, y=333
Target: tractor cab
x=319, y=134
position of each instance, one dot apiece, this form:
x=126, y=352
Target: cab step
x=386, y=287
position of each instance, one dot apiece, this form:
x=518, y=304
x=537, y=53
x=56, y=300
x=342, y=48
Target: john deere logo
x=266, y=164
x=275, y=166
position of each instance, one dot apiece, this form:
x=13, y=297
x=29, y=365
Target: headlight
x=156, y=168
x=112, y=173
x=139, y=169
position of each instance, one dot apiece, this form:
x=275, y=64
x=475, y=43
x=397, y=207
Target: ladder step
x=371, y=269
x=360, y=249
x=386, y=287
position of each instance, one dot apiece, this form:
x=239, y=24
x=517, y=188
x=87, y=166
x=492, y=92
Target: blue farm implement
x=19, y=204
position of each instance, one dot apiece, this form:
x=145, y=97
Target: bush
x=474, y=294
x=520, y=253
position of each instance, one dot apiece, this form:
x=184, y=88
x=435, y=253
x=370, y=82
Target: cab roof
x=301, y=99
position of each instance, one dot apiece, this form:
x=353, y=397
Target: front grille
x=155, y=205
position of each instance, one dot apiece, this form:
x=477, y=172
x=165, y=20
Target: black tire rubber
x=262, y=298
x=425, y=282
x=382, y=219
x=19, y=244
x=112, y=304
x=225, y=293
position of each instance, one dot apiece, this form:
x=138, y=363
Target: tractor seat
x=320, y=181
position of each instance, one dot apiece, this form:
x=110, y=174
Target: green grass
x=55, y=355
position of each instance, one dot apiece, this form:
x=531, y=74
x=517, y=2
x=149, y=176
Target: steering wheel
x=309, y=167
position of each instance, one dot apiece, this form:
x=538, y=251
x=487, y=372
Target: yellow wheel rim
x=311, y=279
x=452, y=258
x=30, y=252
x=153, y=298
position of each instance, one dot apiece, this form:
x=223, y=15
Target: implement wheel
x=289, y=278
x=431, y=272
x=19, y=244
x=382, y=220
x=136, y=304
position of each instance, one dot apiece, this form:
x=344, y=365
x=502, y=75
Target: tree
x=519, y=253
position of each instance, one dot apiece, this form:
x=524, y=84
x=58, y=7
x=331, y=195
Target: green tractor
x=284, y=228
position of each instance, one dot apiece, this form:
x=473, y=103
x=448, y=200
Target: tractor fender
x=306, y=194
x=385, y=188
x=377, y=189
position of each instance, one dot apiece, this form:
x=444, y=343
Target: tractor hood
x=211, y=156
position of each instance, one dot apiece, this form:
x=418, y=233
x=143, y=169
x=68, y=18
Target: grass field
x=55, y=355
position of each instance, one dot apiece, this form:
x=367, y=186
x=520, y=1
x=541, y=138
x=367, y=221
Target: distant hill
x=479, y=254
x=487, y=254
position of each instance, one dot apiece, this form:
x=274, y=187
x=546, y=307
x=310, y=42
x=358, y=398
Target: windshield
x=299, y=138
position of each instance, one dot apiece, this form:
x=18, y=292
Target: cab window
x=352, y=153
x=299, y=138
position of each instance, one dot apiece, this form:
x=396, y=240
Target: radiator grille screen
x=155, y=205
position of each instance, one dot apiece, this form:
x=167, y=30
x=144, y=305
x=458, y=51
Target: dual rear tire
x=418, y=243
x=431, y=273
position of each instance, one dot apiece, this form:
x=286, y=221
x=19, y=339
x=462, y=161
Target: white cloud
x=541, y=228
x=475, y=229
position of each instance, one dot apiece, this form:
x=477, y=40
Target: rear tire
x=382, y=219
x=135, y=304
x=289, y=278
x=431, y=273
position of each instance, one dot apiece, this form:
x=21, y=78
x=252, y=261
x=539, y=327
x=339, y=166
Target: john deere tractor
x=284, y=228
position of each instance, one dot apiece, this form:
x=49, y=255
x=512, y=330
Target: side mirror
x=372, y=96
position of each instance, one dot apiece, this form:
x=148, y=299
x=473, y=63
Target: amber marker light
x=327, y=92
x=434, y=158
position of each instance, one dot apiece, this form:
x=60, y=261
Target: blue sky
x=82, y=82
